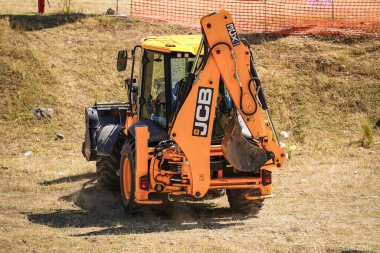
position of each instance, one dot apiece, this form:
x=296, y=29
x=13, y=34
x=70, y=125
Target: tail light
x=144, y=183
x=266, y=177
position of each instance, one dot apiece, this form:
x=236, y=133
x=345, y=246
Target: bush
x=67, y=5
x=367, y=139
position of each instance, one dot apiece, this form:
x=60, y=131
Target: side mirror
x=122, y=57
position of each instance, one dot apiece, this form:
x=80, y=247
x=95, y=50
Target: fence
x=271, y=16
x=251, y=16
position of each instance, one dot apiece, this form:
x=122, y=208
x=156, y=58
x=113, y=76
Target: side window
x=180, y=67
x=154, y=88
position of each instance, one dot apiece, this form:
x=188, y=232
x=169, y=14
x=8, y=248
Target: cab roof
x=172, y=43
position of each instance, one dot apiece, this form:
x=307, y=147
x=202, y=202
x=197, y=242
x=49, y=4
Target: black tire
x=128, y=152
x=106, y=168
x=238, y=202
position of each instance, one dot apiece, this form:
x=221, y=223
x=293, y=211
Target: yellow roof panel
x=172, y=43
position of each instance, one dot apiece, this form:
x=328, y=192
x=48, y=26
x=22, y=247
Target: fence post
x=130, y=8
x=265, y=14
x=332, y=10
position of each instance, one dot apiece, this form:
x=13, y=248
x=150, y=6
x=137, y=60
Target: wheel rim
x=126, y=178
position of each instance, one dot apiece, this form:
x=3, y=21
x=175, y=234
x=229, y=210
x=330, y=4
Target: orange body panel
x=130, y=120
x=142, y=137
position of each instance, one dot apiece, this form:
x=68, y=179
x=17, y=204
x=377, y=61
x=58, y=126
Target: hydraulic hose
x=240, y=84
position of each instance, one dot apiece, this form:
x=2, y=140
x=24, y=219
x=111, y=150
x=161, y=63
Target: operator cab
x=162, y=76
x=165, y=63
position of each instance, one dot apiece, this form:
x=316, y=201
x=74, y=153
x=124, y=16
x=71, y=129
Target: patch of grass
x=316, y=86
x=65, y=67
x=67, y=6
x=25, y=85
x=368, y=138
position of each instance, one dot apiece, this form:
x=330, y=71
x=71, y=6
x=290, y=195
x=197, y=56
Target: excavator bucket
x=243, y=154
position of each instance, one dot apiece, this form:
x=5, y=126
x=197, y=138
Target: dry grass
x=57, y=6
x=326, y=197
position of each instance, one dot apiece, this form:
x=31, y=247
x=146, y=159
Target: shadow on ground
x=103, y=208
x=39, y=22
x=68, y=179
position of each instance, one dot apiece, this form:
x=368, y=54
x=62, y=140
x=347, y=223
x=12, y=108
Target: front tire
x=127, y=176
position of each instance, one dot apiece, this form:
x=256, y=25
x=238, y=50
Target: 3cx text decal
x=202, y=112
x=233, y=34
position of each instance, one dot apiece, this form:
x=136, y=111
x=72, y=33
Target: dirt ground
x=326, y=198
x=329, y=206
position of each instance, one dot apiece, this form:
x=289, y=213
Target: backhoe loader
x=195, y=122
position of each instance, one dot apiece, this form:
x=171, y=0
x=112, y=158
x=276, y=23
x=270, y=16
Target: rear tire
x=238, y=202
x=106, y=167
x=127, y=177
x=214, y=194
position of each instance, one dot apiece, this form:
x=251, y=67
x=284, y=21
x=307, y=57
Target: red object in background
x=41, y=6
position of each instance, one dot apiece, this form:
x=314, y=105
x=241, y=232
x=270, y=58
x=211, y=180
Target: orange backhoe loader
x=197, y=122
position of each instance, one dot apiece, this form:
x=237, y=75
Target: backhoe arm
x=235, y=64
x=228, y=58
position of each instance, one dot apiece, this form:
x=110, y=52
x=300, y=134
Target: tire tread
x=106, y=168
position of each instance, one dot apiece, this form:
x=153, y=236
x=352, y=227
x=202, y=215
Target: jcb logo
x=202, y=111
x=233, y=34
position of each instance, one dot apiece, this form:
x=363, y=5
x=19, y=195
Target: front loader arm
x=229, y=59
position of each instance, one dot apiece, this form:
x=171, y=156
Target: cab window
x=180, y=67
x=154, y=107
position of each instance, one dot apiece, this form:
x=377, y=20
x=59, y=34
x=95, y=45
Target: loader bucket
x=242, y=154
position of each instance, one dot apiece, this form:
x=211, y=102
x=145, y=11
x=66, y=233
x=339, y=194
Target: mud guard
x=107, y=138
